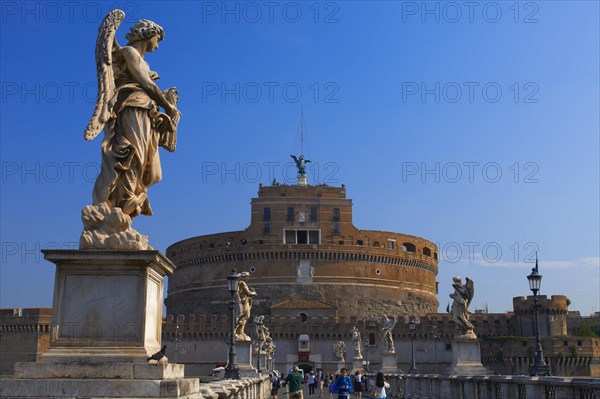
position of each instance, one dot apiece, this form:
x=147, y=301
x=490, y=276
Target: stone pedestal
x=107, y=320
x=302, y=180
x=243, y=350
x=466, y=358
x=107, y=305
x=389, y=363
x=357, y=364
x=108, y=379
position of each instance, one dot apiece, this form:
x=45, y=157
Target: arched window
x=409, y=247
x=376, y=244
x=303, y=317
x=426, y=251
x=371, y=338
x=435, y=256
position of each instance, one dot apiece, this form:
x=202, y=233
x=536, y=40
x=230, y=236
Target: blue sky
x=476, y=128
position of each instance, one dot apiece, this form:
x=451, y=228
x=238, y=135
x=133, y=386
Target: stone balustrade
x=430, y=386
x=245, y=388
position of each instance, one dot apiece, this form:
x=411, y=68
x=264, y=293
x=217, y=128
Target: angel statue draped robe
x=387, y=324
x=128, y=110
x=462, y=297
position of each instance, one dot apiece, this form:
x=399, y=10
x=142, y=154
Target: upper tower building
x=301, y=245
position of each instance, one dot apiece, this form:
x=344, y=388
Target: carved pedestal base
x=357, y=364
x=389, y=363
x=466, y=358
x=107, y=305
x=302, y=180
x=243, y=350
x=107, y=320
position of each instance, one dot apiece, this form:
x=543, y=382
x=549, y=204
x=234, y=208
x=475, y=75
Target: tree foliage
x=587, y=329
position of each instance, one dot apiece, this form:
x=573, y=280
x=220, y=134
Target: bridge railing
x=498, y=387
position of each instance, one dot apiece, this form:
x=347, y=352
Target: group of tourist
x=341, y=384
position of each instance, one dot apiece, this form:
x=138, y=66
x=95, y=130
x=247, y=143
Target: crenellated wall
x=552, y=315
x=24, y=335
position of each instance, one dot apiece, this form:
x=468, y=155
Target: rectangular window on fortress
x=290, y=213
x=266, y=228
x=302, y=236
x=314, y=216
x=267, y=214
x=336, y=213
x=391, y=244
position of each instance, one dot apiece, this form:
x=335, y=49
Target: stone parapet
x=500, y=386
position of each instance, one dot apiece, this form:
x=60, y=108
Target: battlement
x=294, y=190
x=555, y=304
x=28, y=320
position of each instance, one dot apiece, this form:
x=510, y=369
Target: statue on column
x=462, y=297
x=128, y=110
x=245, y=297
x=356, y=343
x=387, y=324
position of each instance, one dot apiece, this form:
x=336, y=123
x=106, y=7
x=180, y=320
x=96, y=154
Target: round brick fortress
x=301, y=245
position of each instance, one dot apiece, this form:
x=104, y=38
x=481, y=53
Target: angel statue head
x=457, y=280
x=144, y=30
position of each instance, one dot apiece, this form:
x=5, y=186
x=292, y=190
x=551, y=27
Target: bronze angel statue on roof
x=462, y=296
x=128, y=110
x=300, y=164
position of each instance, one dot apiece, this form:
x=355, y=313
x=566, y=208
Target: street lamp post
x=413, y=366
x=272, y=357
x=435, y=338
x=367, y=355
x=535, y=281
x=177, y=340
x=259, y=342
x=232, y=371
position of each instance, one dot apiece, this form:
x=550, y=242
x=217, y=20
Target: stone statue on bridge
x=127, y=109
x=387, y=324
x=339, y=349
x=245, y=296
x=462, y=297
x=356, y=343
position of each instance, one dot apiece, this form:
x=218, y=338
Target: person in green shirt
x=294, y=381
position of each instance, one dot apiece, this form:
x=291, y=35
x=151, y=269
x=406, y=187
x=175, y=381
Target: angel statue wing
x=106, y=46
x=388, y=323
x=470, y=288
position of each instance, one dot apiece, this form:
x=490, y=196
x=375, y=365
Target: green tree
x=587, y=329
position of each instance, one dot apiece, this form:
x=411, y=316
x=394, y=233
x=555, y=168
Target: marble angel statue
x=462, y=297
x=128, y=110
x=387, y=324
